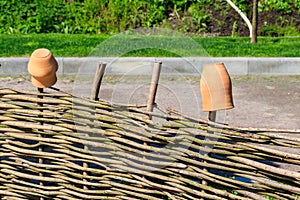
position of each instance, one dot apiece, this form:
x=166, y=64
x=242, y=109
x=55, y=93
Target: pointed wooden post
x=153, y=86
x=153, y=90
x=94, y=96
x=97, y=81
x=41, y=149
x=211, y=117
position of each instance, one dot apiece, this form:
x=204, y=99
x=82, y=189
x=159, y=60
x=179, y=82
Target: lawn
x=79, y=45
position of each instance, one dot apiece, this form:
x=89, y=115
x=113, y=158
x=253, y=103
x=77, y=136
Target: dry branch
x=109, y=139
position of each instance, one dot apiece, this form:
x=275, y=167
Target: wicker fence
x=55, y=146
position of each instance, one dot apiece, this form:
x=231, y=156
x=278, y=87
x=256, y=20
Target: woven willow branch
x=96, y=150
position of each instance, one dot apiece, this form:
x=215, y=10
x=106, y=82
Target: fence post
x=153, y=87
x=94, y=96
x=41, y=149
x=97, y=81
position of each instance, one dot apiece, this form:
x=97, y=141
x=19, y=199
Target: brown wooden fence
x=56, y=146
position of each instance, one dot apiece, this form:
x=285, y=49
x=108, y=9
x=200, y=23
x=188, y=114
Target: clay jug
x=42, y=66
x=216, y=88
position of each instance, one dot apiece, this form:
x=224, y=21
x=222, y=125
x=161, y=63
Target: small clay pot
x=216, y=88
x=42, y=66
x=44, y=82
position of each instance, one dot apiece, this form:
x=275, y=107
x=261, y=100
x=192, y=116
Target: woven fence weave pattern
x=56, y=146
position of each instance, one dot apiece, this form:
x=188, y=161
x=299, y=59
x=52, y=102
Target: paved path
x=260, y=101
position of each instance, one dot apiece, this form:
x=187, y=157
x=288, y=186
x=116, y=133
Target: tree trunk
x=254, y=22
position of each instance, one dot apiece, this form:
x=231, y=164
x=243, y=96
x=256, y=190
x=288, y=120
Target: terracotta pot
x=44, y=82
x=216, y=88
x=42, y=66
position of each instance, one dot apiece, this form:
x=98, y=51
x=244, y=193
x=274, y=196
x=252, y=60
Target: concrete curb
x=171, y=66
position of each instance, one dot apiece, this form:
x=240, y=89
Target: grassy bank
x=82, y=45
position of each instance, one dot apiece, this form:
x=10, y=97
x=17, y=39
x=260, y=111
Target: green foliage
x=114, y=16
x=276, y=30
x=27, y=16
x=297, y=5
x=199, y=17
x=243, y=5
x=89, y=16
x=234, y=27
x=284, y=6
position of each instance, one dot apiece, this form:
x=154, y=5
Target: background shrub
x=194, y=17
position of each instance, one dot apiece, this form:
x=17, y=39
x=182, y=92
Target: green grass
x=72, y=45
x=60, y=44
x=241, y=47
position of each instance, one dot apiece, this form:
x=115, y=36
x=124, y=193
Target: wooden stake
x=94, y=96
x=97, y=81
x=41, y=149
x=153, y=86
x=153, y=89
x=211, y=117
